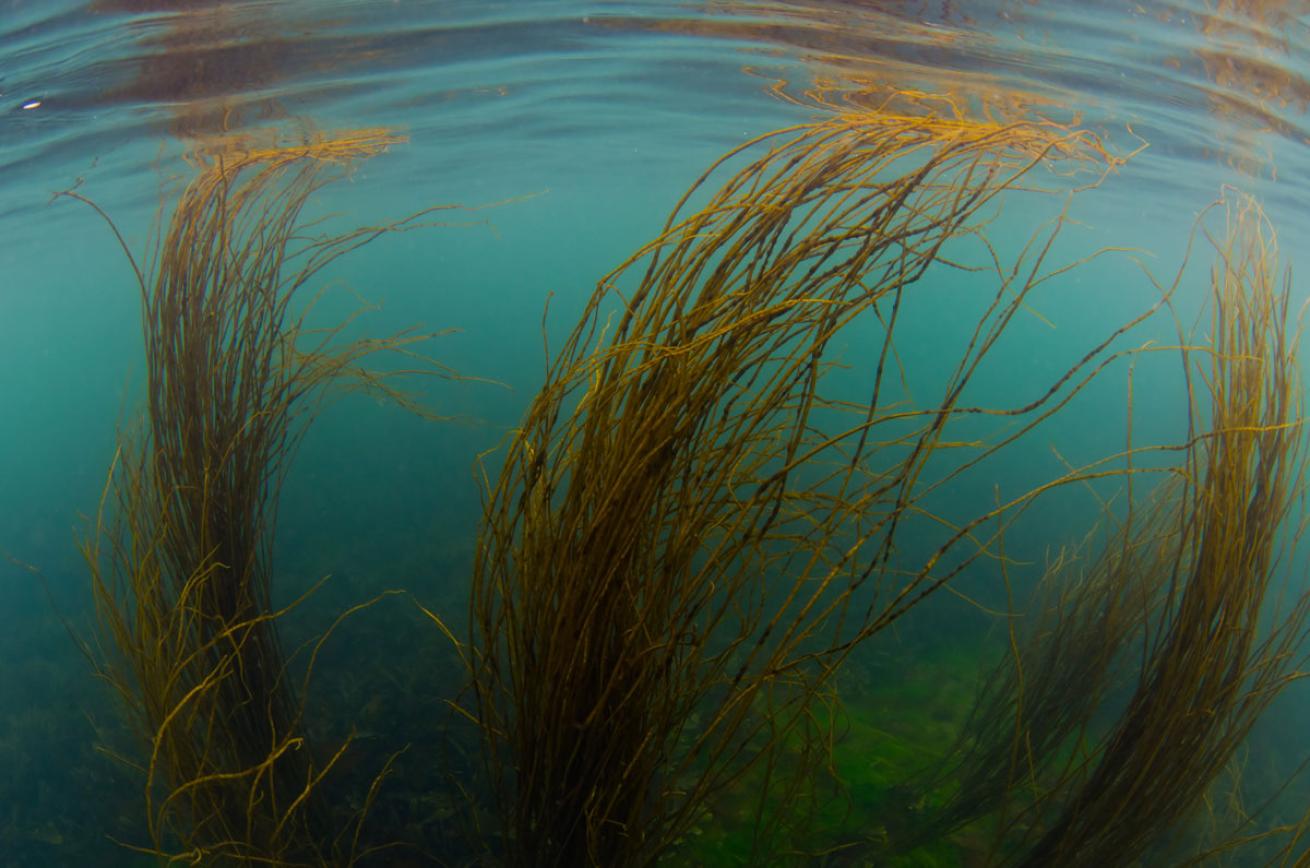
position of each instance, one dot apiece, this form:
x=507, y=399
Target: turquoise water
x=565, y=131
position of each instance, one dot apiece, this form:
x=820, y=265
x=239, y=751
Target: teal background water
x=566, y=131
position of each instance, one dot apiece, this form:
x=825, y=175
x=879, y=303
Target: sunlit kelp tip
x=339, y=146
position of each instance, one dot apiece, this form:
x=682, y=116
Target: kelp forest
x=697, y=624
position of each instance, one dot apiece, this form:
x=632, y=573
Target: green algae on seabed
x=900, y=709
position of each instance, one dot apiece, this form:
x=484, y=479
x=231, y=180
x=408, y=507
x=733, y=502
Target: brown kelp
x=181, y=556
x=1031, y=717
x=1169, y=613
x=1207, y=671
x=691, y=527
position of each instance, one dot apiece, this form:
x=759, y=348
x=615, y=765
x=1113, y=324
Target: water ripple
x=1213, y=85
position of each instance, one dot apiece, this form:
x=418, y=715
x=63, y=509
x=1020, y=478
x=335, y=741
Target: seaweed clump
x=1148, y=662
x=693, y=526
x=180, y=559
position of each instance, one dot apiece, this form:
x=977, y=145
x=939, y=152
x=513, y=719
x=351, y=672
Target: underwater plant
x=692, y=527
x=180, y=558
x=1208, y=670
x=1172, y=612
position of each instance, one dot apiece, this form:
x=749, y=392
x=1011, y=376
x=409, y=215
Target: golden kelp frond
x=953, y=116
x=181, y=559
x=1186, y=582
x=692, y=525
x=973, y=98
x=1027, y=732
x=1208, y=672
x=232, y=153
